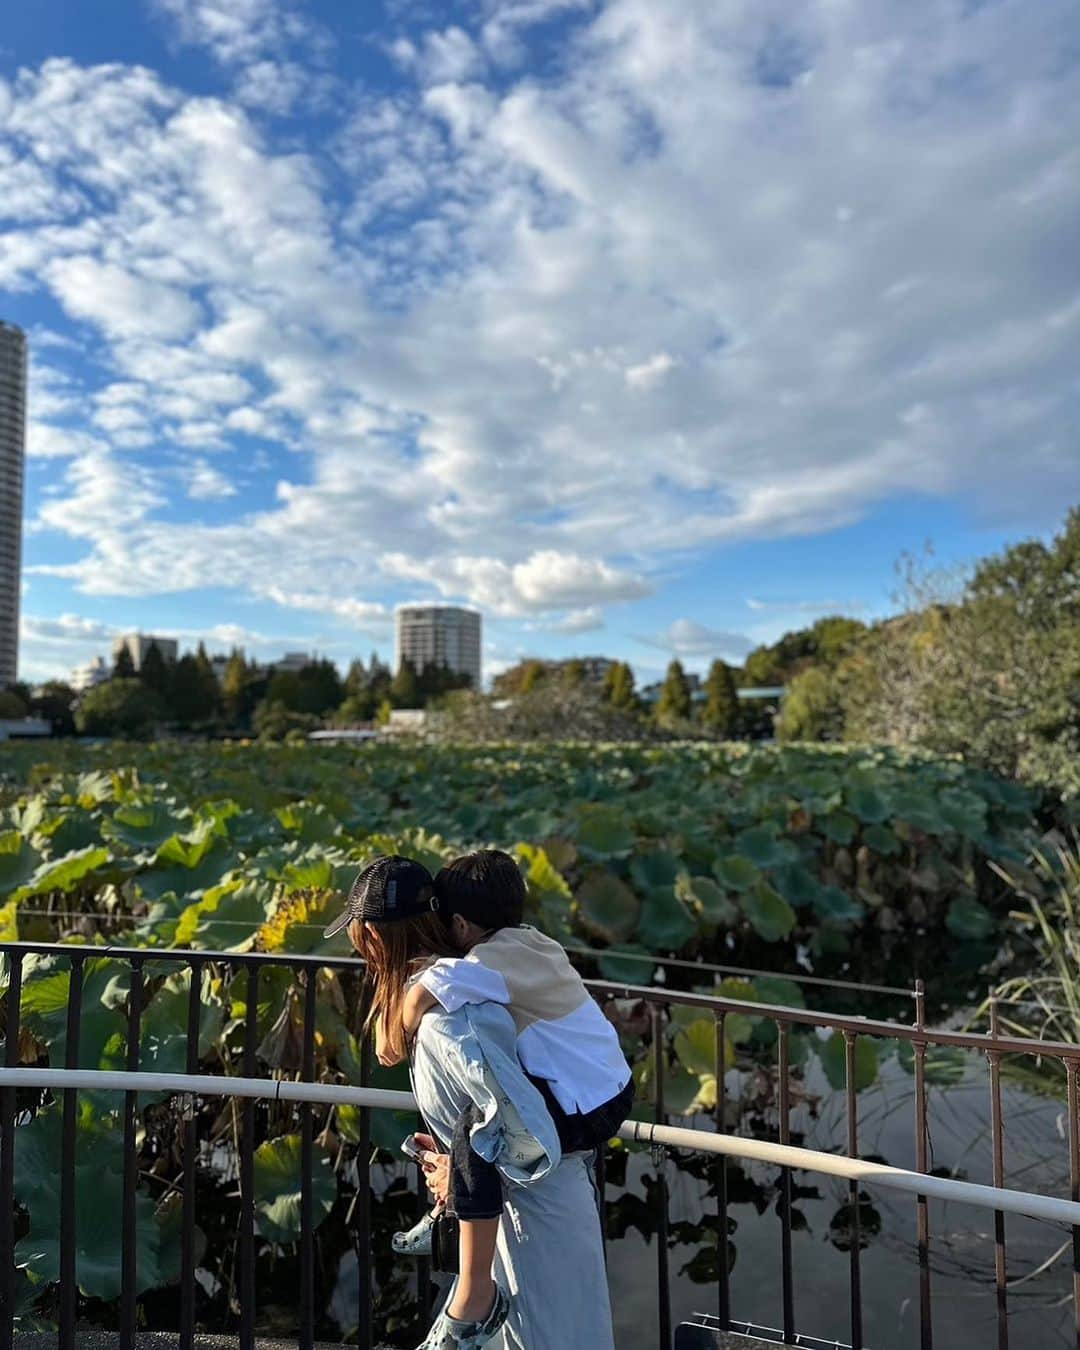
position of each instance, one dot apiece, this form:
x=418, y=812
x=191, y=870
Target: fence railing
x=247, y=1087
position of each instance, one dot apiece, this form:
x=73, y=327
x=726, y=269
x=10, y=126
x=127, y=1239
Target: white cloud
x=528, y=342
x=649, y=373
x=824, y=607
x=587, y=620
x=686, y=637
x=207, y=483
x=365, y=614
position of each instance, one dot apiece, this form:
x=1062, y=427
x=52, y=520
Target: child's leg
x=476, y=1199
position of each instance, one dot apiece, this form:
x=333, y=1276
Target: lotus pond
x=855, y=864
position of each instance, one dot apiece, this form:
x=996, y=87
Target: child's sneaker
x=417, y=1240
x=449, y=1333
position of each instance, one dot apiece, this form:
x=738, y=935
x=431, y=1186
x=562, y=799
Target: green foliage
x=120, y=707
x=721, y=712
x=277, y=1188
x=812, y=710
x=673, y=705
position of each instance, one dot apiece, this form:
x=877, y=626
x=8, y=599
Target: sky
x=649, y=329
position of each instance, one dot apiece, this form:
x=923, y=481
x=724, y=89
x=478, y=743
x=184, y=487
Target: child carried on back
x=566, y=1045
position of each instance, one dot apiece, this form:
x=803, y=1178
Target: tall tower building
x=443, y=634
x=12, y=452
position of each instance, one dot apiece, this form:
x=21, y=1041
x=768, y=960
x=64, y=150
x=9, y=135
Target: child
x=565, y=1044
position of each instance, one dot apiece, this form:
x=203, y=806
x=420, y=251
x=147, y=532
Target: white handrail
x=703, y=1141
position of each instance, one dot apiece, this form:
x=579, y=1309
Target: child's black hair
x=485, y=887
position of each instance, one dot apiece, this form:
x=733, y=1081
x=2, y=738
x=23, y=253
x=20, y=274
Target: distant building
x=90, y=675
x=12, y=455
x=406, y=722
x=443, y=635
x=138, y=647
x=291, y=663
x=219, y=664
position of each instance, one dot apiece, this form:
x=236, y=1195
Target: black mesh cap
x=388, y=889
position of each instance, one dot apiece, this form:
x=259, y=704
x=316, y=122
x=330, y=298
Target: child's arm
x=418, y=1001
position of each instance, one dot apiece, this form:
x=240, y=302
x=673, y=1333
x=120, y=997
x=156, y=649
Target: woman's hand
x=436, y=1168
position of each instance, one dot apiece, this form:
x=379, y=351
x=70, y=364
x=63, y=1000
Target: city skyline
x=650, y=331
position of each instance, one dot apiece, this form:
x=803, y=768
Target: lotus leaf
x=142, y=825
x=705, y=896
x=18, y=861
x=607, y=907
x=657, y=867
x=760, y=845
x=666, y=925
x=839, y=826
x=882, y=840
x=832, y=1053
x=602, y=832
x=836, y=906
x=64, y=874
x=769, y=914
x=277, y=1188
x=99, y=1168
x=968, y=920
x=625, y=964
x=736, y=873
x=226, y=918
x=946, y=1065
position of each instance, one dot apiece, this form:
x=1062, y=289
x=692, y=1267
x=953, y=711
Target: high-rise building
x=138, y=646
x=12, y=453
x=441, y=634
x=89, y=675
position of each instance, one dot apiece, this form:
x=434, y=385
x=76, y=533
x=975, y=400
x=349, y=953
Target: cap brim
x=342, y=921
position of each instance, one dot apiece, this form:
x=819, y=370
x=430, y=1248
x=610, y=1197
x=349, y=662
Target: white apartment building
x=90, y=675
x=445, y=635
x=138, y=646
x=12, y=455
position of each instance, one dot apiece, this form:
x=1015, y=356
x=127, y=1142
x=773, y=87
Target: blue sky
x=648, y=329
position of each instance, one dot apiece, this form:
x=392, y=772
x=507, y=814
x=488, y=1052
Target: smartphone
x=412, y=1149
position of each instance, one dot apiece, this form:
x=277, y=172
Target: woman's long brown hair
x=393, y=952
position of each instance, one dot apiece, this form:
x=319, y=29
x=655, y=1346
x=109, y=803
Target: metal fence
x=250, y=966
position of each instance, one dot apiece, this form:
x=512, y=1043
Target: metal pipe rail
x=1030, y=1204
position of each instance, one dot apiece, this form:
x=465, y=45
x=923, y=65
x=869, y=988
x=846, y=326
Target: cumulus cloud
x=686, y=637
x=205, y=483
x=725, y=272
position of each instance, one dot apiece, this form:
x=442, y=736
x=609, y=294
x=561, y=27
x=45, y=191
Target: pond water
x=962, y=1248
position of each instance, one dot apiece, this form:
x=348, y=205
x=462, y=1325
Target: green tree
x=812, y=710
x=319, y=688
x=533, y=673
x=674, y=702
x=156, y=674
x=618, y=686
x=405, y=687
x=119, y=708
x=237, y=698
x=721, y=714
x=284, y=688
x=123, y=666
x=574, y=671
x=274, y=722
x=55, y=702
x=12, y=706
x=357, y=680
x=194, y=697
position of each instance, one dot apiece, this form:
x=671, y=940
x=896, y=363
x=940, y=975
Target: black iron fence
x=143, y=965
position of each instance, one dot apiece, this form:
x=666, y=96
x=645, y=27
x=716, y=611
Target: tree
x=55, y=702
x=284, y=688
x=405, y=688
x=812, y=710
x=238, y=702
x=274, y=722
x=319, y=688
x=721, y=713
x=357, y=680
x=574, y=671
x=674, y=702
x=533, y=673
x=12, y=706
x=618, y=686
x=123, y=666
x=356, y=708
x=380, y=678
x=193, y=694
x=119, y=708
x=155, y=673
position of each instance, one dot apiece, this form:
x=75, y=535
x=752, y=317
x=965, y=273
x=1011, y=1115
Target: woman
x=549, y=1254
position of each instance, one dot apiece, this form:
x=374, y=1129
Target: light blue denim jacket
x=469, y=1057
